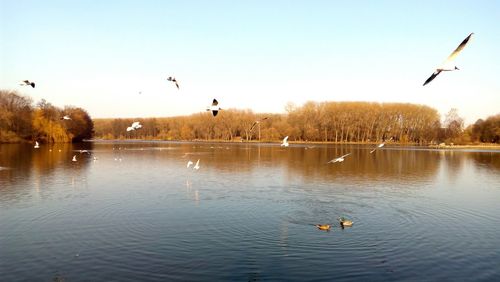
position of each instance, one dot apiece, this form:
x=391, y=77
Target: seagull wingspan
x=459, y=49
x=432, y=77
x=253, y=125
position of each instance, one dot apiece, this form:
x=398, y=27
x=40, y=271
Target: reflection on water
x=137, y=213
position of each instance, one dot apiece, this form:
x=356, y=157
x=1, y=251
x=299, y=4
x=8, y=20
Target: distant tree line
x=20, y=120
x=485, y=131
x=314, y=121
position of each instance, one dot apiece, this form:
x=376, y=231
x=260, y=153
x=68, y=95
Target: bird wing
x=26, y=81
x=432, y=77
x=214, y=102
x=177, y=84
x=32, y=84
x=344, y=156
x=189, y=164
x=135, y=124
x=285, y=139
x=215, y=112
x=460, y=47
x=130, y=128
x=253, y=125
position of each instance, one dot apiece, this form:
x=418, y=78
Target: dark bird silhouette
x=27, y=83
x=174, y=81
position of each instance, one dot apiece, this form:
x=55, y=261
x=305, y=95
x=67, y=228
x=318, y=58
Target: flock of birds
x=214, y=109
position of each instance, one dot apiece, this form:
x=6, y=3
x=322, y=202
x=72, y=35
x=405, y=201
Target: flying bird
x=447, y=65
x=257, y=122
x=339, y=159
x=189, y=163
x=214, y=108
x=66, y=117
x=197, y=165
x=174, y=81
x=36, y=145
x=74, y=158
x=135, y=125
x=27, y=83
x=284, y=143
x=378, y=146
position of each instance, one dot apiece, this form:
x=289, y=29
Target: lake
x=248, y=214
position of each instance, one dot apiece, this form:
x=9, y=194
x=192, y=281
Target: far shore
x=488, y=146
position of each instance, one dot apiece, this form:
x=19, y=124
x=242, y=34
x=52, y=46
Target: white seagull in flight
x=197, y=165
x=66, y=117
x=339, y=159
x=189, y=164
x=135, y=125
x=214, y=108
x=74, y=158
x=257, y=122
x=284, y=143
x=378, y=146
x=447, y=65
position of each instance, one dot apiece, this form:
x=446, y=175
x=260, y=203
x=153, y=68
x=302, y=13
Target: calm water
x=137, y=213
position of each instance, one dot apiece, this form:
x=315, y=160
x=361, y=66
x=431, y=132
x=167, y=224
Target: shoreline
x=305, y=143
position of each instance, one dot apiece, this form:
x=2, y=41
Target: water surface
x=137, y=213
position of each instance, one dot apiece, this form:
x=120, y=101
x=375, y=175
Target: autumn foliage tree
x=313, y=121
x=19, y=121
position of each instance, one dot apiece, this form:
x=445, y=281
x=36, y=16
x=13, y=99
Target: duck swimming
x=344, y=222
x=325, y=227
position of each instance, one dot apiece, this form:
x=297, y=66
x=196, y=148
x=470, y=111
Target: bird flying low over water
x=27, y=83
x=284, y=143
x=378, y=146
x=257, y=122
x=214, y=108
x=339, y=159
x=74, y=158
x=197, y=165
x=66, y=117
x=189, y=163
x=174, y=81
x=447, y=65
x=135, y=125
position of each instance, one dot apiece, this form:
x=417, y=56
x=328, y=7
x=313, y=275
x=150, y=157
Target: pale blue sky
x=249, y=54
